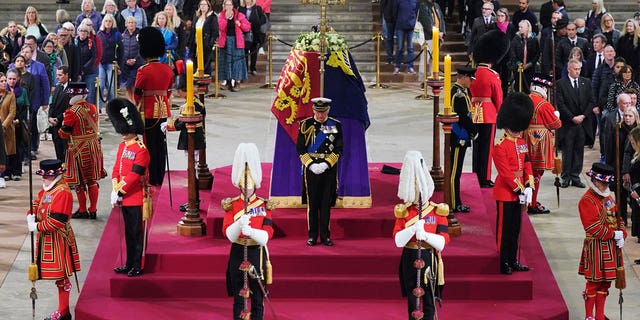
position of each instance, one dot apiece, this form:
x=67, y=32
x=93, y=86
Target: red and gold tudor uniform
x=600, y=256
x=486, y=93
x=540, y=139
x=56, y=249
x=435, y=216
x=511, y=158
x=84, y=155
x=127, y=177
x=154, y=81
x=260, y=212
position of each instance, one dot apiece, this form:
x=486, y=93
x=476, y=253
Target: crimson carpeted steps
x=184, y=276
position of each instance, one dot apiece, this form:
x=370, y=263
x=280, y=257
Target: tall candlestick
x=200, y=52
x=190, y=107
x=447, y=84
x=435, y=53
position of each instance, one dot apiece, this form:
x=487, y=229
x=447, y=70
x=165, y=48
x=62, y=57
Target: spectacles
x=486, y=8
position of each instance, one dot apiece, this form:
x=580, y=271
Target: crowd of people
x=89, y=45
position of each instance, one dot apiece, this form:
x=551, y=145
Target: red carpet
x=184, y=277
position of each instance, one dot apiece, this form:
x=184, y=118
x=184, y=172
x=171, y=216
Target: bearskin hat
x=124, y=116
x=515, y=113
x=492, y=47
x=151, y=43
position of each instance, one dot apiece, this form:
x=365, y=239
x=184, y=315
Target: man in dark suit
x=576, y=104
x=565, y=45
x=59, y=104
x=597, y=55
x=481, y=25
x=545, y=14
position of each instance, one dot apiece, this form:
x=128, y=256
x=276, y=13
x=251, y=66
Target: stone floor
x=399, y=123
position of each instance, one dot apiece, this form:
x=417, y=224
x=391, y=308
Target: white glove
x=31, y=223
x=163, y=127
x=528, y=193
x=246, y=230
x=620, y=243
x=245, y=220
x=618, y=235
x=323, y=167
x=557, y=113
x=421, y=234
x=114, y=198
x=522, y=198
x=315, y=168
x=419, y=224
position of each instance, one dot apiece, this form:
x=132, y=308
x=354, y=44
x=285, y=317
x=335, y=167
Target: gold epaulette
x=459, y=94
x=269, y=204
x=226, y=203
x=400, y=210
x=442, y=209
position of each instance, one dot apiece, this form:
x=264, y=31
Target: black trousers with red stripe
x=508, y=230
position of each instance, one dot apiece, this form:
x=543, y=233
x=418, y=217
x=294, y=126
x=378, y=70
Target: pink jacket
x=245, y=26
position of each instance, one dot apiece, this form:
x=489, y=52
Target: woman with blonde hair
x=7, y=114
x=593, y=19
x=178, y=28
x=631, y=175
x=88, y=11
x=111, y=49
x=628, y=43
x=607, y=28
x=130, y=60
x=33, y=25
x=524, y=38
x=62, y=16
x=111, y=8
x=208, y=21
x=161, y=22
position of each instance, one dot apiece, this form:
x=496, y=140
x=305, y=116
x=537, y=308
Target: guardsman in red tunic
x=154, y=81
x=604, y=239
x=514, y=184
x=540, y=139
x=247, y=225
x=128, y=179
x=486, y=93
x=57, y=252
x=84, y=155
x=422, y=224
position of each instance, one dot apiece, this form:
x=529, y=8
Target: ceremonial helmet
x=491, y=47
x=415, y=178
x=515, y=113
x=321, y=104
x=246, y=171
x=124, y=116
x=602, y=172
x=51, y=168
x=540, y=82
x=151, y=43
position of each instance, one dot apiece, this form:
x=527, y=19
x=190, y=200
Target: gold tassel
x=440, y=270
x=147, y=209
x=557, y=165
x=269, y=273
x=33, y=272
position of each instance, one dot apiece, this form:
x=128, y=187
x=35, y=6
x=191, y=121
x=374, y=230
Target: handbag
x=23, y=132
x=418, y=34
x=265, y=27
x=248, y=37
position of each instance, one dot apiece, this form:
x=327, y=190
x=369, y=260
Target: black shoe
x=7, y=178
x=16, y=178
x=134, y=272
x=506, y=269
x=185, y=206
x=462, y=208
x=578, y=184
x=33, y=155
x=311, y=242
x=122, y=269
x=564, y=184
x=327, y=242
x=80, y=215
x=537, y=209
x=636, y=261
x=518, y=267
x=93, y=215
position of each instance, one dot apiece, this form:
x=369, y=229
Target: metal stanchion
x=216, y=81
x=425, y=86
x=115, y=78
x=97, y=84
x=378, y=85
x=269, y=84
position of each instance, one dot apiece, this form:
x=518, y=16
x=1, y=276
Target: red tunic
x=486, y=93
x=56, y=250
x=132, y=162
x=540, y=139
x=84, y=158
x=434, y=223
x=257, y=208
x=599, y=252
x=154, y=81
x=511, y=158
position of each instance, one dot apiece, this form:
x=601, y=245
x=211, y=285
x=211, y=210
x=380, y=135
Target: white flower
x=310, y=41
